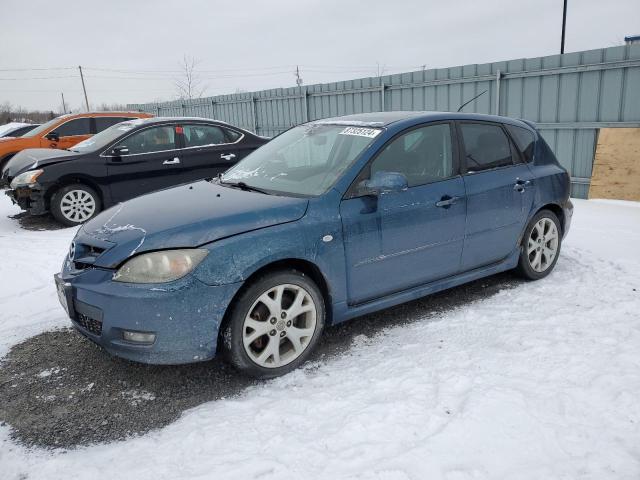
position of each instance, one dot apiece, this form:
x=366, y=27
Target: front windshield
x=42, y=128
x=104, y=138
x=306, y=160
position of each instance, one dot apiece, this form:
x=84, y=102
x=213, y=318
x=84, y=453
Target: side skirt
x=342, y=311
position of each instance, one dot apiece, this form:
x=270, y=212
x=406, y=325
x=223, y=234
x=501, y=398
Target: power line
x=34, y=69
x=38, y=78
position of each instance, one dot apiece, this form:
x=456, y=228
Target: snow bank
x=539, y=381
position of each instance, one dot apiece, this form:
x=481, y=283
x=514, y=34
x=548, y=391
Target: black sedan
x=122, y=162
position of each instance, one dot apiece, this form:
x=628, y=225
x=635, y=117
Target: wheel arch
x=304, y=266
x=70, y=180
x=556, y=209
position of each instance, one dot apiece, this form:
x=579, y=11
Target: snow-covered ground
x=541, y=381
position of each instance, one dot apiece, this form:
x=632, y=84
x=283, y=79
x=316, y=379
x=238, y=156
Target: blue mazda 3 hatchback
x=330, y=220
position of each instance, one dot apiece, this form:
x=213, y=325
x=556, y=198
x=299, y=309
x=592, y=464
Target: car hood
x=186, y=216
x=34, y=158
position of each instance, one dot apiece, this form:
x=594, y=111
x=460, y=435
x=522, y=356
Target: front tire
x=75, y=204
x=274, y=324
x=540, y=247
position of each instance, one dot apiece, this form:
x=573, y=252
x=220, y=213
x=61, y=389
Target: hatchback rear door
x=499, y=190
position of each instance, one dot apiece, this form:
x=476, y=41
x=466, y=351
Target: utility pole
x=64, y=107
x=298, y=77
x=564, y=25
x=86, y=100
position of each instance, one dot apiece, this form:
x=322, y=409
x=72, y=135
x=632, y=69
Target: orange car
x=63, y=132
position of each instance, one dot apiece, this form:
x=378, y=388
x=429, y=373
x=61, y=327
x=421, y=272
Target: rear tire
x=75, y=204
x=273, y=325
x=540, y=247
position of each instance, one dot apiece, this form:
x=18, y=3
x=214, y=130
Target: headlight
x=160, y=267
x=26, y=178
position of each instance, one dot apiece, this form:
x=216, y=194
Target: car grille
x=89, y=324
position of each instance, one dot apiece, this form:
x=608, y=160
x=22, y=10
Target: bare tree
x=10, y=113
x=111, y=107
x=189, y=85
x=5, y=112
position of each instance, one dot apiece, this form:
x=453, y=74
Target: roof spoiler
x=530, y=123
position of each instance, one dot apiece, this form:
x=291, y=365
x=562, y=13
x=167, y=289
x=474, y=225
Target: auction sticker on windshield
x=361, y=132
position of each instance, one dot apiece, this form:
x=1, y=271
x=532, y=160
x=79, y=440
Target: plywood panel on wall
x=616, y=168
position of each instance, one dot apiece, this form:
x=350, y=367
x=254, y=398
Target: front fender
x=236, y=258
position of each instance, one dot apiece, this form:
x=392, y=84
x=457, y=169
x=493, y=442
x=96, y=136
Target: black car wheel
x=540, y=246
x=75, y=204
x=274, y=324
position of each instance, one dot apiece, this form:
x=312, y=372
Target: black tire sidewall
x=524, y=267
x=231, y=332
x=57, y=196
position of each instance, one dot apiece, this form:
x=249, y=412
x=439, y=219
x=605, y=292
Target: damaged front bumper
x=28, y=198
x=182, y=317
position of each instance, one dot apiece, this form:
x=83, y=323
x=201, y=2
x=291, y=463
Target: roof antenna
x=467, y=103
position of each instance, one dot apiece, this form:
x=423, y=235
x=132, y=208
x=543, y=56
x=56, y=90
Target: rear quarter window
x=525, y=141
x=102, y=123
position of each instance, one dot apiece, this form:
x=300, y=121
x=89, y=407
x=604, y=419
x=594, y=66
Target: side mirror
x=53, y=136
x=119, y=151
x=384, y=182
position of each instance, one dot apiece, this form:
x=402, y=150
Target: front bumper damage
x=30, y=199
x=183, y=317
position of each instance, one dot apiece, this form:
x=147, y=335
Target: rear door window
x=486, y=146
x=201, y=135
x=102, y=123
x=77, y=126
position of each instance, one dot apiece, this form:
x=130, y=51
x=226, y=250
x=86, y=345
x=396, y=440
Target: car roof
x=151, y=120
x=383, y=119
x=104, y=114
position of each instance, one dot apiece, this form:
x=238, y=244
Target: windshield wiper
x=243, y=186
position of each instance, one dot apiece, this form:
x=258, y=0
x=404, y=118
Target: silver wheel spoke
x=299, y=306
x=295, y=335
x=271, y=350
x=273, y=304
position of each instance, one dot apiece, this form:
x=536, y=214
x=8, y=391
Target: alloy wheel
x=542, y=246
x=77, y=206
x=279, y=325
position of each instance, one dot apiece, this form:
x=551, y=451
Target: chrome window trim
x=105, y=155
x=242, y=135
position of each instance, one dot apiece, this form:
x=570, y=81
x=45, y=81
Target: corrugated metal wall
x=570, y=96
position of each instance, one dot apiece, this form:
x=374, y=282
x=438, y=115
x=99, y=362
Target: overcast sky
x=131, y=50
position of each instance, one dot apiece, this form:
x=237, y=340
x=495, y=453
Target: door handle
x=175, y=161
x=521, y=185
x=446, y=201
x=228, y=156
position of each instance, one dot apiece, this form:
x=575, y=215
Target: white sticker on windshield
x=361, y=132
